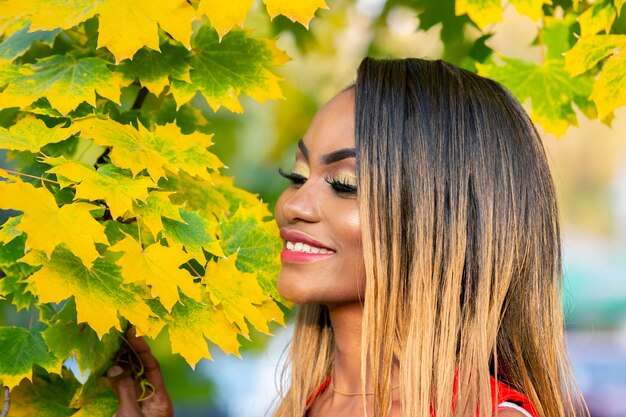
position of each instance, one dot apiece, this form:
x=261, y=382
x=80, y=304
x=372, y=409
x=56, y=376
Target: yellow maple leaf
x=224, y=15
x=108, y=183
x=30, y=134
x=98, y=292
x=238, y=293
x=298, y=11
x=124, y=26
x=65, y=81
x=47, y=225
x=190, y=323
x=157, y=205
x=482, y=12
x=165, y=148
x=159, y=267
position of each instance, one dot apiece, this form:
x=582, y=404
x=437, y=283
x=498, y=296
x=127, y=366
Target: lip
x=289, y=256
x=296, y=236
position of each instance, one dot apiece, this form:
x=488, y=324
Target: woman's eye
x=296, y=179
x=341, y=186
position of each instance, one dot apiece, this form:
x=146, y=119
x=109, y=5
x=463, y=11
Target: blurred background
x=588, y=164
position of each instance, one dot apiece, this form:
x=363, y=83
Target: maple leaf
x=8, y=232
x=298, y=11
x=257, y=244
x=610, y=86
x=159, y=267
x=140, y=20
x=13, y=284
x=99, y=292
x=48, y=395
x=197, y=194
x=20, y=349
x=238, y=293
x=30, y=134
x=222, y=70
x=165, y=148
x=66, y=338
x=191, y=321
x=109, y=183
x=99, y=401
x=530, y=8
x=65, y=81
x=47, y=225
x=9, y=72
x=195, y=233
x=482, y=12
x=224, y=15
x=20, y=41
x=153, y=68
x=157, y=205
x=596, y=18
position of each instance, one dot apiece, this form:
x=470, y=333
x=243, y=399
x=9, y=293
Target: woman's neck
x=346, y=321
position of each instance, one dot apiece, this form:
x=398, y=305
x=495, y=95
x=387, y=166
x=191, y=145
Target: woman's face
x=318, y=215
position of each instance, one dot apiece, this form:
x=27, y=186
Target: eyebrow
x=329, y=158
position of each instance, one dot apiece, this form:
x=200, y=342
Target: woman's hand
x=127, y=391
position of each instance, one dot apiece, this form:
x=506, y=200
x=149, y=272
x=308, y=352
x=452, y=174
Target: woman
x=434, y=288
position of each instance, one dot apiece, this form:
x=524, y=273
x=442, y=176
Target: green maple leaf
x=48, y=395
x=257, y=244
x=99, y=401
x=221, y=71
x=65, y=81
x=153, y=68
x=549, y=86
x=47, y=225
x=30, y=134
x=65, y=337
x=99, y=292
x=13, y=284
x=20, y=41
x=194, y=232
x=158, y=150
x=20, y=349
x=109, y=183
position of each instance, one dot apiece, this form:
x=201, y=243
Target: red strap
x=317, y=392
x=505, y=393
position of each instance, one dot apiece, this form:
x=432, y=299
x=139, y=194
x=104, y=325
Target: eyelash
x=341, y=187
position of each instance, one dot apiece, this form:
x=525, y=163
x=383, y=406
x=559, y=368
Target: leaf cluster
x=116, y=212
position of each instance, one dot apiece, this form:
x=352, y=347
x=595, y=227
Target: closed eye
x=341, y=186
x=296, y=179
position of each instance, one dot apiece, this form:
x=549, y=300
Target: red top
x=505, y=394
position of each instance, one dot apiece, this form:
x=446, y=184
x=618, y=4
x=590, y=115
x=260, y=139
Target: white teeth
x=303, y=247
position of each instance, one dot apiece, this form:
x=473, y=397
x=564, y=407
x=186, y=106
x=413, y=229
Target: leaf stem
x=196, y=272
x=10, y=171
x=7, y=402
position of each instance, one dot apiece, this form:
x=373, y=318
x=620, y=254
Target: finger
x=124, y=388
x=152, y=370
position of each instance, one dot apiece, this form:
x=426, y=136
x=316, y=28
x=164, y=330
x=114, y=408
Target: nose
x=299, y=204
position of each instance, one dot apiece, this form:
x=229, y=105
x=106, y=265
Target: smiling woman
x=422, y=241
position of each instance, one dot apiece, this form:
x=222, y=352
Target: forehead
x=332, y=127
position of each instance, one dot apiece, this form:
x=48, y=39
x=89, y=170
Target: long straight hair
x=462, y=250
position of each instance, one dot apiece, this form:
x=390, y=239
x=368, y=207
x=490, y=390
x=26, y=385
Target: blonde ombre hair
x=462, y=250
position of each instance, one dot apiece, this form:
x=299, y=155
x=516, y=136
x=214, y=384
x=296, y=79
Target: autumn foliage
x=119, y=211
